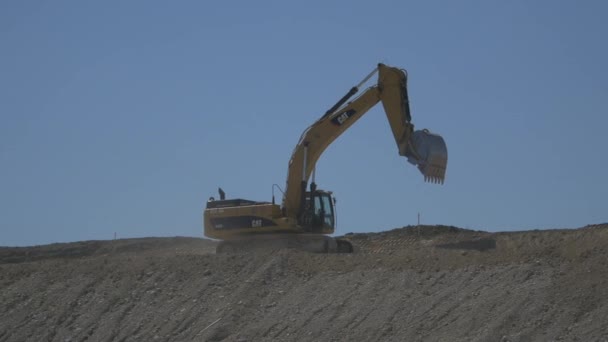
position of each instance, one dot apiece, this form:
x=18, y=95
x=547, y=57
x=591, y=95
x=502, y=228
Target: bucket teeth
x=433, y=179
x=433, y=174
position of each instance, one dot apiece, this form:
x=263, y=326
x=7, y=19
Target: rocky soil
x=432, y=283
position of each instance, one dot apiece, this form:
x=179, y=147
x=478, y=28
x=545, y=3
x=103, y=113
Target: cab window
x=327, y=214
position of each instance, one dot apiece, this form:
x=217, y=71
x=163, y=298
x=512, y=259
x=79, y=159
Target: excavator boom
x=422, y=148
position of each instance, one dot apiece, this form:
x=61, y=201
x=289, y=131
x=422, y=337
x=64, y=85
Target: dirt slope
x=409, y=284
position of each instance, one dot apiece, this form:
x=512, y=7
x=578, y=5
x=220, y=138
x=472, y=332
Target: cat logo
x=340, y=119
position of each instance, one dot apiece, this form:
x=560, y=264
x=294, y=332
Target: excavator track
x=344, y=246
x=269, y=243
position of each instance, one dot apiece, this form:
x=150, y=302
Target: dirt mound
x=415, y=284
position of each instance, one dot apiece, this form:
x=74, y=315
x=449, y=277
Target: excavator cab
x=318, y=215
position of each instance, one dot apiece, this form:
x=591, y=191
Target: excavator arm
x=422, y=148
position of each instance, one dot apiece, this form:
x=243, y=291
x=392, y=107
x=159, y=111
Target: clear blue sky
x=125, y=116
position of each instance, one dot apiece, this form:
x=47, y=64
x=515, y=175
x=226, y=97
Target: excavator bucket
x=429, y=152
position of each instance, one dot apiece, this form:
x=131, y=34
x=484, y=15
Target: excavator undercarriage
x=265, y=243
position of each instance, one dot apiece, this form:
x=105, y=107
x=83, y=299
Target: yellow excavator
x=306, y=216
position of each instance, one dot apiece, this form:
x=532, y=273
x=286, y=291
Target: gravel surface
x=433, y=283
